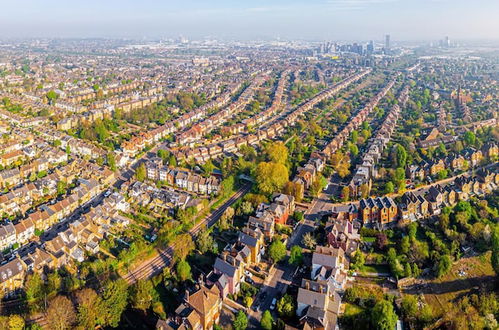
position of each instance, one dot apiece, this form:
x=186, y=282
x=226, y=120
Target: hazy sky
x=309, y=19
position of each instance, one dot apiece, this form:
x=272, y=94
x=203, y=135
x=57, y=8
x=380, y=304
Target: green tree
x=142, y=295
x=277, y=250
x=111, y=161
x=409, y=306
x=241, y=321
x=277, y=152
x=208, y=167
x=183, y=271
x=52, y=96
x=389, y=187
x=267, y=321
x=205, y=242
x=296, y=257
x=141, y=172
x=286, y=306
x=469, y=138
x=495, y=250
x=271, y=177
x=444, y=265
x=383, y=316
x=115, y=300
x=400, y=157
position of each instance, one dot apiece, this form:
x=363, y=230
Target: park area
x=467, y=276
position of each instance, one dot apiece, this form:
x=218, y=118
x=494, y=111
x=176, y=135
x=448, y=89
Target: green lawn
x=369, y=239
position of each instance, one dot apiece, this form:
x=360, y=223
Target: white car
x=248, y=274
x=272, y=305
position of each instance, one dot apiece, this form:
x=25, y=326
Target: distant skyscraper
x=447, y=42
x=370, y=47
x=387, y=42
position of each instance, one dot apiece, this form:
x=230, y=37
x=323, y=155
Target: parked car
x=273, y=304
x=249, y=280
x=248, y=274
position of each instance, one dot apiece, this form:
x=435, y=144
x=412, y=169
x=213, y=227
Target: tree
x=296, y=257
x=248, y=301
x=444, y=265
x=183, y=246
x=115, y=300
x=400, y=156
x=277, y=152
x=16, y=322
x=409, y=306
x=381, y=241
x=52, y=96
x=286, y=306
x=226, y=219
x=89, y=308
x=495, y=250
x=364, y=190
x=407, y=270
x=205, y=242
x=389, y=187
x=34, y=287
x=267, y=321
x=241, y=321
x=60, y=313
x=309, y=241
x=345, y=194
x=277, y=250
x=469, y=138
x=358, y=260
x=271, y=177
x=208, y=167
x=142, y=295
x=183, y=271
x=141, y=172
x=111, y=161
x=383, y=316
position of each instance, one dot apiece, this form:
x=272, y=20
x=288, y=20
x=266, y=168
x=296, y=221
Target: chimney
x=186, y=298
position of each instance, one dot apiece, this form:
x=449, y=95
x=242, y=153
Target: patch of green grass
x=369, y=239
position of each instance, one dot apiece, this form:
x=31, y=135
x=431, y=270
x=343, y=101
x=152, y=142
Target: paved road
x=156, y=264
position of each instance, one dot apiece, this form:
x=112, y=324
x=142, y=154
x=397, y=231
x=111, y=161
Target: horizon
x=404, y=20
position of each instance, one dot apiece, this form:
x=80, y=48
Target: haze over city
x=249, y=165
x=292, y=19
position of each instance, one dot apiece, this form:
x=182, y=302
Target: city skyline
x=313, y=20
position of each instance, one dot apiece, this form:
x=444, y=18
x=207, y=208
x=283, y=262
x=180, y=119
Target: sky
x=252, y=19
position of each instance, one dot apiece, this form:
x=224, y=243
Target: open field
x=467, y=276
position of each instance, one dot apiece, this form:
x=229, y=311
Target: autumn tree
x=183, y=246
x=16, y=322
x=276, y=152
x=345, y=194
x=60, y=313
x=309, y=241
x=89, y=308
x=271, y=177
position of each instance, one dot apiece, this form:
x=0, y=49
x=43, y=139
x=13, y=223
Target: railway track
x=155, y=265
